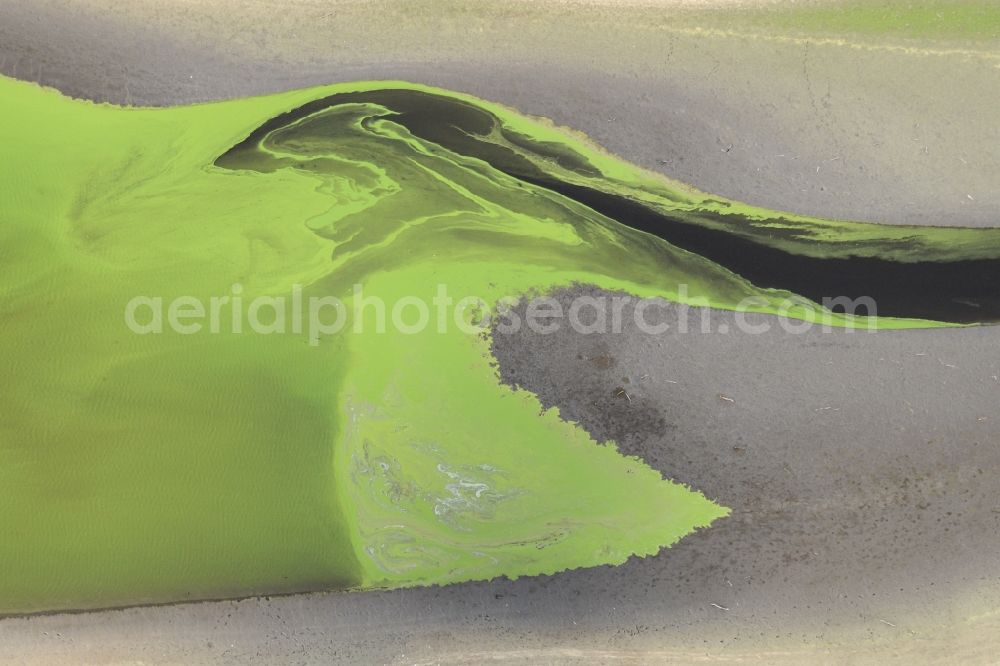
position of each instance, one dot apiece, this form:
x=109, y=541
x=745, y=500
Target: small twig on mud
x=719, y=607
x=726, y=398
x=886, y=622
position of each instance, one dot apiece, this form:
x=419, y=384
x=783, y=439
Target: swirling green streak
x=163, y=467
x=797, y=234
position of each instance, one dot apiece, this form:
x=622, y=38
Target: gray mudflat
x=861, y=466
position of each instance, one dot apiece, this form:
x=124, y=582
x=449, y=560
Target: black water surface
x=949, y=291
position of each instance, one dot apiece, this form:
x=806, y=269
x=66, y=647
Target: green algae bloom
x=164, y=467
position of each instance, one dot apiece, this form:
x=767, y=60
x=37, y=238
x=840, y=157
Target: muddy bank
x=861, y=466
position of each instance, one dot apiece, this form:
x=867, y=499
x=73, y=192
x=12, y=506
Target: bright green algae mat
x=161, y=467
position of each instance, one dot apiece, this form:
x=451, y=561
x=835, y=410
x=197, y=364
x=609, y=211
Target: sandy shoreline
x=866, y=477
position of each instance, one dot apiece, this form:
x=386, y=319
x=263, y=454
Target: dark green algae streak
x=905, y=270
x=167, y=467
